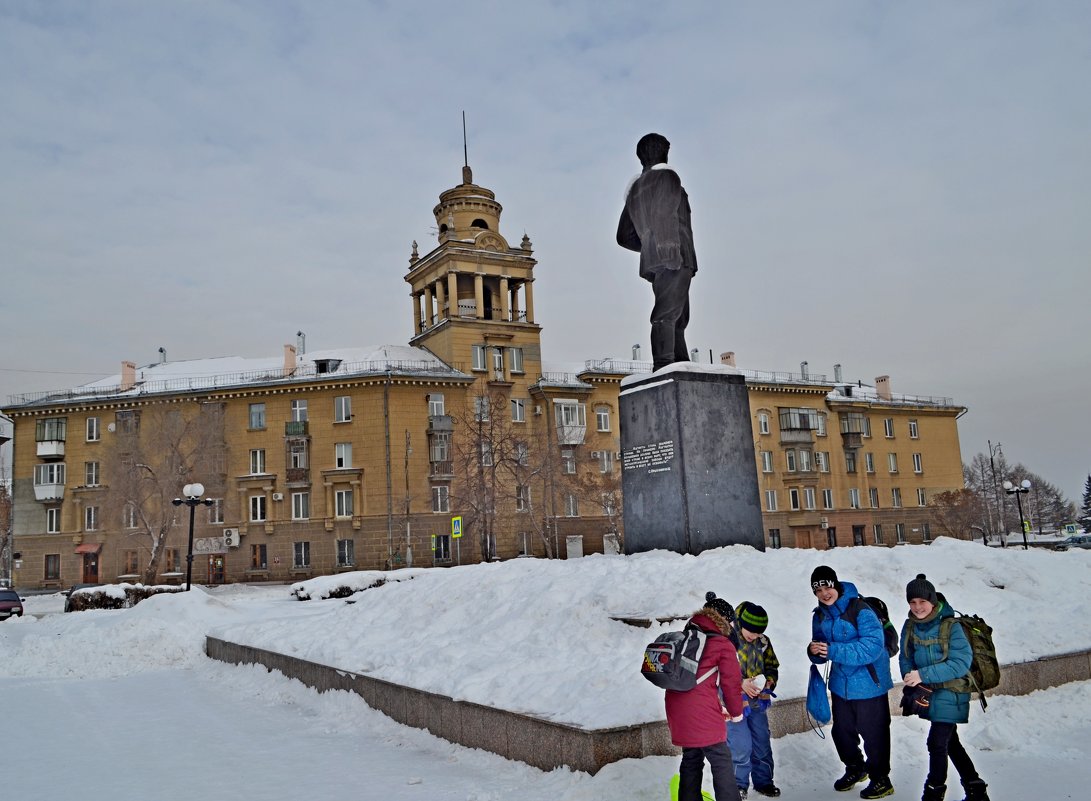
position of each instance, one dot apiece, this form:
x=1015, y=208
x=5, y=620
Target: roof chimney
x=728, y=358
x=882, y=387
x=289, y=359
x=636, y=352
x=128, y=376
x=803, y=369
x=837, y=374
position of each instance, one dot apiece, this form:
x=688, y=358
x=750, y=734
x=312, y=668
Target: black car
x=10, y=604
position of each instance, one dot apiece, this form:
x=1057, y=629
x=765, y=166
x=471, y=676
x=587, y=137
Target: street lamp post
x=193, y=499
x=1018, y=492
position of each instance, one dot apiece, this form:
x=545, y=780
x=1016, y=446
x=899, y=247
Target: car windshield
x=9, y=595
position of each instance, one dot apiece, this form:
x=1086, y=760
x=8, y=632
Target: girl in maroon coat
x=696, y=717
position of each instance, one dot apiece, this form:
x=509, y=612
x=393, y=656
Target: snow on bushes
x=345, y=584
x=113, y=596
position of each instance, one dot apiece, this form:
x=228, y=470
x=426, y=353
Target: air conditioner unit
x=594, y=454
x=278, y=496
x=617, y=455
x=231, y=537
x=537, y=410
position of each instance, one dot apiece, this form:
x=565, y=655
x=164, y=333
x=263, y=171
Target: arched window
x=479, y=223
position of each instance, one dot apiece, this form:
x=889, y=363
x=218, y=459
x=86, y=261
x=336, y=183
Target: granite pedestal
x=689, y=477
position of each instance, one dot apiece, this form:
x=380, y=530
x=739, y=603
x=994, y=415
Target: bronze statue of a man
x=656, y=223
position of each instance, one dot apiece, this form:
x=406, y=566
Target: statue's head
x=652, y=149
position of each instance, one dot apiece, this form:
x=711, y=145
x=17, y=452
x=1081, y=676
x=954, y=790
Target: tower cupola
x=466, y=210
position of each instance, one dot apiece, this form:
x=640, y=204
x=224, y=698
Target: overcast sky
x=902, y=188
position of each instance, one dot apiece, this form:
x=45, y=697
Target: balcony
x=51, y=449
x=297, y=475
x=441, y=469
x=570, y=434
x=295, y=428
x=851, y=440
x=440, y=422
x=48, y=492
x=796, y=436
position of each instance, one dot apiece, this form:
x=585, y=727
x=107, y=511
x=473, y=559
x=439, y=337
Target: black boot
x=854, y=774
x=878, y=788
x=934, y=792
x=977, y=791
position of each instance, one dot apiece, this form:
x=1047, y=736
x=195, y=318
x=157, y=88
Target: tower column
x=452, y=295
x=479, y=294
x=515, y=302
x=441, y=301
x=504, y=304
x=417, y=328
x=429, y=313
x=530, y=300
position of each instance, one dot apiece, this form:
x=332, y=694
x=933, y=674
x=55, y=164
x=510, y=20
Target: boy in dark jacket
x=859, y=681
x=749, y=739
x=696, y=717
x=925, y=661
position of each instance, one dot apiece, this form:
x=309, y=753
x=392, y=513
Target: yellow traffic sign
x=456, y=526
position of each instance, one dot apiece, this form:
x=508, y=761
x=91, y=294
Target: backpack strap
x=852, y=612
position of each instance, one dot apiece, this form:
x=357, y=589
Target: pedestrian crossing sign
x=456, y=526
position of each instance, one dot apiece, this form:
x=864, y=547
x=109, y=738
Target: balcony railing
x=48, y=492
x=441, y=422
x=295, y=475
x=51, y=449
x=295, y=428
x=571, y=434
x=436, y=469
x=796, y=435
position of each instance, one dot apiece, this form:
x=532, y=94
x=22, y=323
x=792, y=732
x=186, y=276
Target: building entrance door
x=90, y=568
x=803, y=538
x=857, y=535
x=831, y=537
x=216, y=568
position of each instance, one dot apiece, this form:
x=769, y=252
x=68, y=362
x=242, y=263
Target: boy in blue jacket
x=859, y=681
x=925, y=660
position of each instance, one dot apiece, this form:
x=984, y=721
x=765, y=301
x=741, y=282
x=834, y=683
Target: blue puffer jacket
x=852, y=648
x=946, y=706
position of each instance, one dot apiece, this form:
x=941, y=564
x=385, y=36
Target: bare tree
x=155, y=452
x=957, y=512
x=6, y=539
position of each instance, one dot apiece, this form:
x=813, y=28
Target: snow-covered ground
x=117, y=705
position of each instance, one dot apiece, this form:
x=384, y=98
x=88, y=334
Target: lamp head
x=1008, y=485
x=1025, y=483
x=195, y=490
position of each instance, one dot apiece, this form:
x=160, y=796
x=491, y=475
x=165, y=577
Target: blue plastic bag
x=818, y=702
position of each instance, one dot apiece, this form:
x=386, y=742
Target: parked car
x=1079, y=541
x=10, y=604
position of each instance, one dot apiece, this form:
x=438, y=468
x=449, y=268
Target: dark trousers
x=867, y=719
x=943, y=743
x=692, y=770
x=670, y=316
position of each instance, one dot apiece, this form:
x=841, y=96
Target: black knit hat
x=720, y=605
x=920, y=587
x=824, y=576
x=753, y=618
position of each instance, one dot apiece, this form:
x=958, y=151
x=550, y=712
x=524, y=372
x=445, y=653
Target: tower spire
x=467, y=173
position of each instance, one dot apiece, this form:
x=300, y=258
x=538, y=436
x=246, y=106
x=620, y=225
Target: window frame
x=441, y=499
x=256, y=420
x=258, y=506
x=914, y=429
x=94, y=435
x=342, y=409
x=92, y=473
x=766, y=461
x=343, y=504
x=53, y=520
x=602, y=418
x=437, y=404
x=518, y=410
x=342, y=455
x=770, y=500
x=257, y=461
x=346, y=552
x=298, y=411
x=301, y=505
x=918, y=463
x=301, y=554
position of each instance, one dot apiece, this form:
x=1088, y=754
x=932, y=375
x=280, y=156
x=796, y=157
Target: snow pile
x=344, y=584
x=539, y=636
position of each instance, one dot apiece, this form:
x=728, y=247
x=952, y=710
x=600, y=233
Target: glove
x=739, y=719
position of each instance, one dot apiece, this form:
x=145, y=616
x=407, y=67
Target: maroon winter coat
x=694, y=717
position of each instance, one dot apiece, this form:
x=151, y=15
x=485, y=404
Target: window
x=132, y=563
x=522, y=454
x=436, y=405
x=899, y=532
x=918, y=465
x=770, y=500
x=92, y=429
x=301, y=554
x=343, y=503
x=867, y=426
x=441, y=498
x=128, y=422
x=926, y=532
x=571, y=505
x=257, y=508
x=853, y=423
x=896, y=497
x=877, y=533
x=257, y=461
x=873, y=497
x=518, y=410
x=602, y=418
x=805, y=461
x=259, y=559
x=888, y=427
x=128, y=515
x=481, y=408
x=515, y=359
x=568, y=461
x=570, y=413
x=52, y=566
x=441, y=547
x=479, y=357
x=299, y=411
x=921, y=500
x=522, y=498
x=914, y=432
x=53, y=520
x=767, y=461
x=52, y=473
x=173, y=560
x=774, y=538
x=216, y=511
x=821, y=429
x=609, y=503
x=90, y=518
x=91, y=474
x=763, y=422
x=498, y=364
x=850, y=461
x=439, y=447
x=301, y=505
x=892, y=462
x=854, y=498
x=342, y=454
x=793, y=498
x=827, y=499
x=822, y=459
x=790, y=460
x=486, y=453
x=869, y=462
x=808, y=497
x=346, y=553
x=798, y=419
x=342, y=409
x=51, y=429
x=257, y=415
x=606, y=461
x=297, y=453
